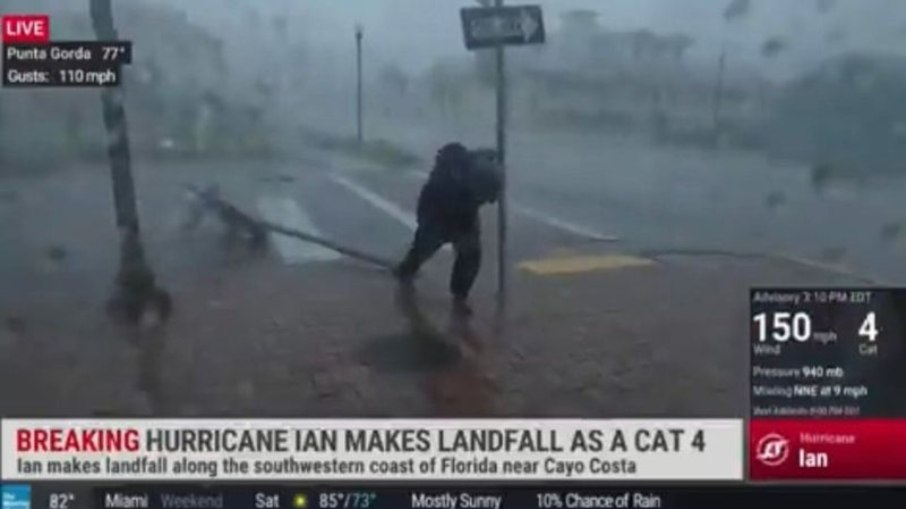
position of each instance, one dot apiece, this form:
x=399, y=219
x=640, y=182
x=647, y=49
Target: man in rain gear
x=460, y=183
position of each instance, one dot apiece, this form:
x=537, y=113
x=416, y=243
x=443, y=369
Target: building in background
x=629, y=79
x=848, y=113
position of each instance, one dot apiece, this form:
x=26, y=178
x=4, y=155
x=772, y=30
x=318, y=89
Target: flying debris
x=837, y=35
x=16, y=324
x=833, y=255
x=822, y=175
x=57, y=253
x=825, y=6
x=773, y=47
x=264, y=87
x=775, y=200
x=252, y=16
x=737, y=9
x=891, y=232
x=281, y=27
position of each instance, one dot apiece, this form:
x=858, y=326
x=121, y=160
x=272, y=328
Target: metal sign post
x=501, y=160
x=496, y=27
x=359, y=33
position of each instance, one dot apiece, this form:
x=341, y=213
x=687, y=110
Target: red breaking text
x=77, y=440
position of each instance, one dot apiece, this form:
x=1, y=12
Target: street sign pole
x=358, y=64
x=501, y=156
x=495, y=27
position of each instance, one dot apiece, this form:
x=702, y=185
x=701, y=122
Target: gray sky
x=417, y=32
x=420, y=30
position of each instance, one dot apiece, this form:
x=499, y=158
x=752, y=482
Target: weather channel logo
x=15, y=496
x=772, y=449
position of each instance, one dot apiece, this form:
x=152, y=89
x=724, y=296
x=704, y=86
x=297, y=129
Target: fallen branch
x=236, y=218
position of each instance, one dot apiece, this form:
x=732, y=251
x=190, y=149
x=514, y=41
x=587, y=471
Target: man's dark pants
x=431, y=236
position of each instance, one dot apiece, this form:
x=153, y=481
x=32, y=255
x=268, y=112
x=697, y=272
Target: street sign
x=488, y=27
x=496, y=27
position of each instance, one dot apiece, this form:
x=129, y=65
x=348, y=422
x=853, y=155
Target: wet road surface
x=299, y=331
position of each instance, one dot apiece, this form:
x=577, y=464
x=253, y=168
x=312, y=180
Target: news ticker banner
x=828, y=370
x=32, y=59
x=370, y=450
x=422, y=496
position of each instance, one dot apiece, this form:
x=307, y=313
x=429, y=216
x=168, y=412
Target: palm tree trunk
x=135, y=282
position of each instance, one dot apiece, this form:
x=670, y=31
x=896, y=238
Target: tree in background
x=851, y=112
x=446, y=88
x=395, y=80
x=737, y=9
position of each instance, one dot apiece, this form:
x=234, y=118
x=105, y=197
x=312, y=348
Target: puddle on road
x=455, y=383
x=423, y=347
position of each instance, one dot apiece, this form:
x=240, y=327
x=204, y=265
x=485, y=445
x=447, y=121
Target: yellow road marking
x=578, y=264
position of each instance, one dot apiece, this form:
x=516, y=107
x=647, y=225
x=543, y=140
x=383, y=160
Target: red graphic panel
x=854, y=449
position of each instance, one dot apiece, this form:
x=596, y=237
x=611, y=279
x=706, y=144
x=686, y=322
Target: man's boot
x=461, y=307
x=404, y=275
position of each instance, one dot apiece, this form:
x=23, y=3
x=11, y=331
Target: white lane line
x=287, y=212
x=418, y=174
x=575, y=229
x=379, y=202
x=544, y=217
x=386, y=206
